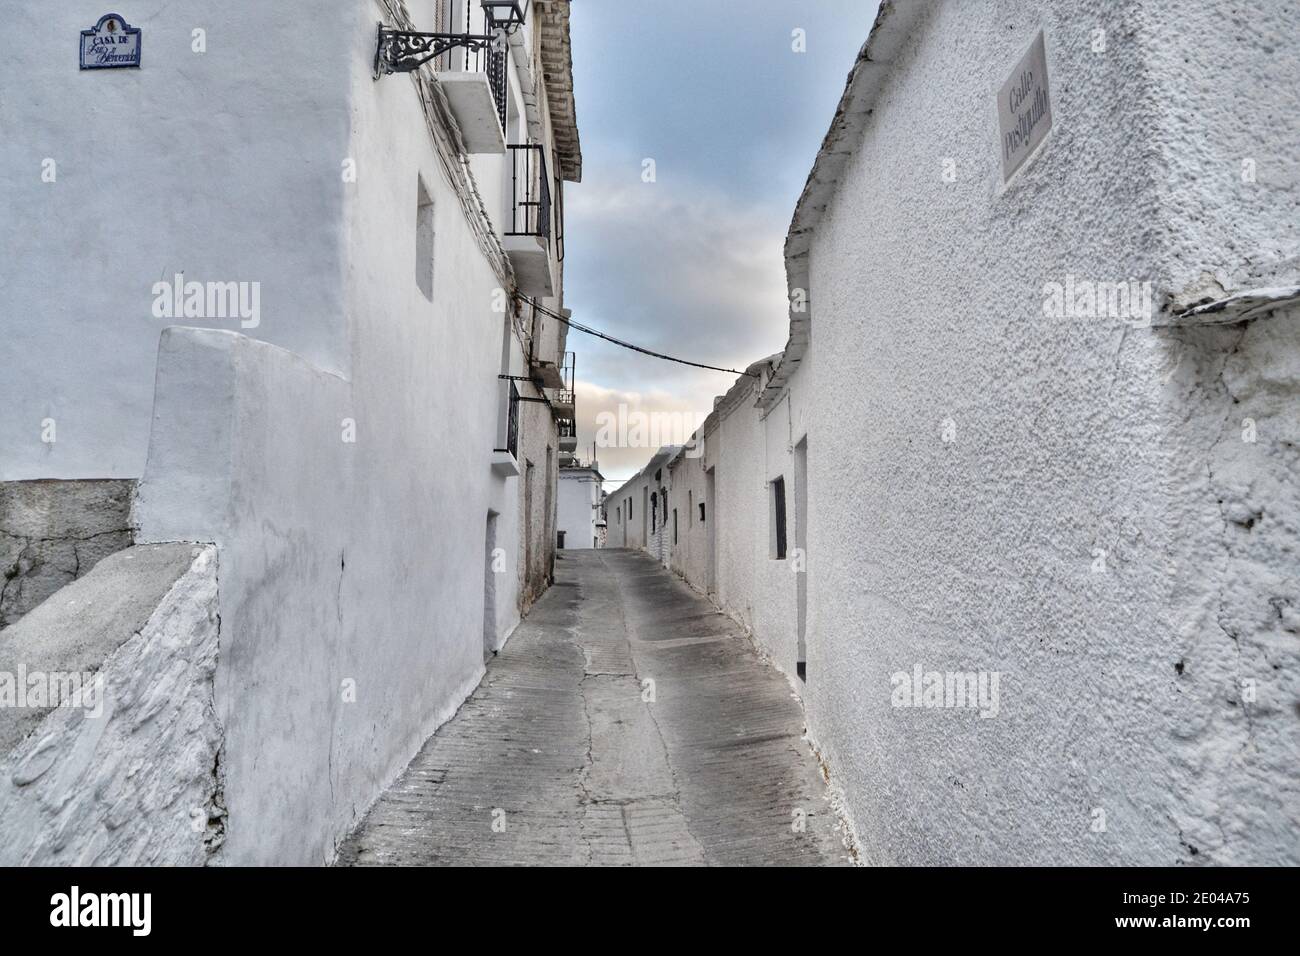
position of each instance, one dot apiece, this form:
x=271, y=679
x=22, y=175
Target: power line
x=635, y=348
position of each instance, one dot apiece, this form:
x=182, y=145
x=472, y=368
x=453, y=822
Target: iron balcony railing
x=481, y=46
x=558, y=215
x=530, y=210
x=480, y=55
x=494, y=66
x=566, y=395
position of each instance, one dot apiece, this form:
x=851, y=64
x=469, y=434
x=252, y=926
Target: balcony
x=470, y=63
x=474, y=81
x=568, y=436
x=564, y=402
x=528, y=240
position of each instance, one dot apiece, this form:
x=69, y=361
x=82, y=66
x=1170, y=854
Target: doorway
x=709, y=515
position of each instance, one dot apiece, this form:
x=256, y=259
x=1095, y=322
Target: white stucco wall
x=1120, y=691
x=579, y=497
x=335, y=663
x=687, y=484
x=638, y=532
x=162, y=170
x=745, y=449
x=1153, y=695
x=353, y=622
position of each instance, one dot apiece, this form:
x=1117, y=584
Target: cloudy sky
x=690, y=264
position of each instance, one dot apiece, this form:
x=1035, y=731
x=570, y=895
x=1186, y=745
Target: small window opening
x=778, y=519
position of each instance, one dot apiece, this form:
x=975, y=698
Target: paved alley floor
x=556, y=758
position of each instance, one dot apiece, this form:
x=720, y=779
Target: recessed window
x=778, y=519
x=701, y=512
x=424, y=239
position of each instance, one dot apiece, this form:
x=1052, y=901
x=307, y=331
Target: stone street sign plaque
x=1024, y=108
x=111, y=43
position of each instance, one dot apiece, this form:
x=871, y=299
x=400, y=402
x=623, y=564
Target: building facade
x=639, y=506
x=299, y=311
x=1016, y=506
x=580, y=513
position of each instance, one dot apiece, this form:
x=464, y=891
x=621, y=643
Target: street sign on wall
x=111, y=43
x=1024, y=108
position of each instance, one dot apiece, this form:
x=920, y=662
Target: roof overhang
x=551, y=21
x=895, y=22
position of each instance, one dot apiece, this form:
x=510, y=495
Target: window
x=654, y=513
x=674, y=526
x=690, y=508
x=701, y=512
x=424, y=239
x=778, y=518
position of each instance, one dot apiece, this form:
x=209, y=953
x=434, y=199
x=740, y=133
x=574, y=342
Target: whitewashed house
x=639, y=507
x=580, y=520
x=1033, y=438
x=286, y=294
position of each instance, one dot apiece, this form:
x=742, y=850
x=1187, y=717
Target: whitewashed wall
x=579, y=497
x=1146, y=703
x=339, y=454
x=638, y=533
x=687, y=488
x=1121, y=691
x=339, y=694
x=744, y=449
x=159, y=171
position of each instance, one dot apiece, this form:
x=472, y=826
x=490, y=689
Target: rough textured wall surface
x=136, y=779
x=687, y=488
x=1224, y=144
x=1071, y=502
x=740, y=508
x=53, y=532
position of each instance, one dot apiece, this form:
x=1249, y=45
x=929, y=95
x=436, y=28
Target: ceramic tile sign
x=111, y=43
x=1024, y=108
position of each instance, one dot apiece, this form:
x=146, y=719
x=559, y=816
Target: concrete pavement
x=627, y=722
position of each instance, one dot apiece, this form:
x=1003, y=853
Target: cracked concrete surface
x=560, y=758
x=54, y=532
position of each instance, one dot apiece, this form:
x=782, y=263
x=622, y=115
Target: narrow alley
x=626, y=722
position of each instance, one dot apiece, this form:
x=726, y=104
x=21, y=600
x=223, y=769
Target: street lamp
x=503, y=14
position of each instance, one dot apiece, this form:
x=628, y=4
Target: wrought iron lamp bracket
x=404, y=51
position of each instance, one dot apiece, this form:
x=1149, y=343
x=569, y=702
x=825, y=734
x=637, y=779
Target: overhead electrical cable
x=635, y=348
